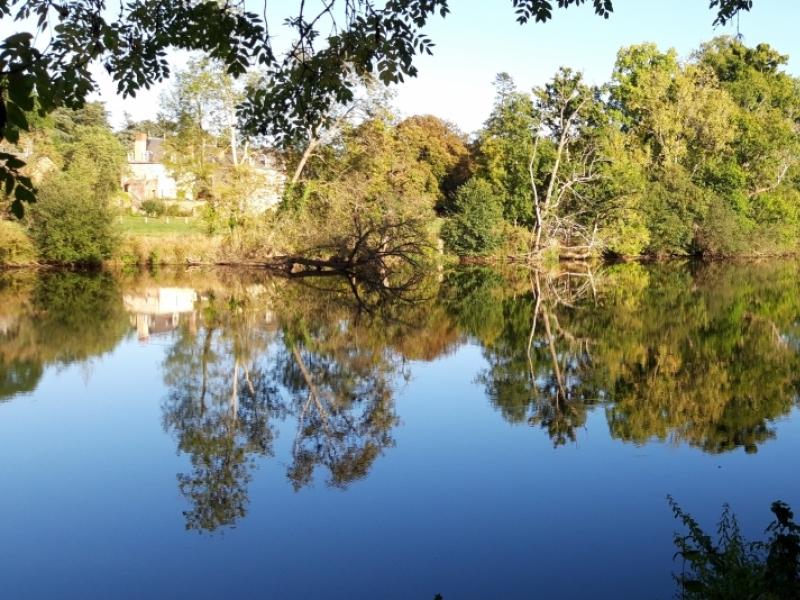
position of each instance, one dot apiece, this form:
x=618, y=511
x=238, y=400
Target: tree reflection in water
x=704, y=355
x=321, y=357
x=55, y=318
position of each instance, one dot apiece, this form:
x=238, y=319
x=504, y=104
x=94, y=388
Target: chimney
x=140, y=147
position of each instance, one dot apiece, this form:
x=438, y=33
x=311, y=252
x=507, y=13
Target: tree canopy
x=51, y=65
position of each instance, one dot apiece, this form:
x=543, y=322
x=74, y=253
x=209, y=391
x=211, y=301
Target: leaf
x=17, y=209
x=20, y=90
x=23, y=194
x=16, y=117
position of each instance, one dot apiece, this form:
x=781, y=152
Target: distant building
x=273, y=180
x=148, y=178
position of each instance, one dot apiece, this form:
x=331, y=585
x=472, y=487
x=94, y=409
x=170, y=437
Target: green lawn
x=150, y=226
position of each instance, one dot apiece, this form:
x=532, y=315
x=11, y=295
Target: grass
x=164, y=240
x=178, y=249
x=160, y=227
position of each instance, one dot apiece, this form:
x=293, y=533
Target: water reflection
x=159, y=310
x=263, y=354
x=704, y=355
x=54, y=318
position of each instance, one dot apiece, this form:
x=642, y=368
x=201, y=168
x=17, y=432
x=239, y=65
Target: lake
x=479, y=434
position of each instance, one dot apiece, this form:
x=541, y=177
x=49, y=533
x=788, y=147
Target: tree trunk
x=312, y=145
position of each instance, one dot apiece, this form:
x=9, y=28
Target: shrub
x=16, y=248
x=722, y=232
x=475, y=228
x=734, y=567
x=153, y=208
x=70, y=224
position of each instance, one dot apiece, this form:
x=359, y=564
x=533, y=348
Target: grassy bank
x=163, y=241
x=152, y=241
x=136, y=225
x=140, y=241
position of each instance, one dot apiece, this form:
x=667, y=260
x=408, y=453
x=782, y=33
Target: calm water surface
x=214, y=434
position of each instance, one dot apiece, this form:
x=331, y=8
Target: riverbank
x=143, y=243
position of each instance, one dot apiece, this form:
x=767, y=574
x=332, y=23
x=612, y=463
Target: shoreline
x=308, y=266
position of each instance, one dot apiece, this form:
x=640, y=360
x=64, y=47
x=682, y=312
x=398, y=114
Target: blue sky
x=481, y=38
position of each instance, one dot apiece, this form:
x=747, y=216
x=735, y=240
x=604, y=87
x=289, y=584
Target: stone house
x=149, y=178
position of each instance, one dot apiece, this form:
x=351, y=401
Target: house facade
x=148, y=178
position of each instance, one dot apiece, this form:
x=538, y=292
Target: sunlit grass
x=162, y=226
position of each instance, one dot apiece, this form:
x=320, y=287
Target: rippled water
x=217, y=433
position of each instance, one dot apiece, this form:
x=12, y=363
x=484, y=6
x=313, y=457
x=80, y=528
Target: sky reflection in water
x=217, y=432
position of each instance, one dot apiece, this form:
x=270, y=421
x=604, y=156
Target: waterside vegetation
x=694, y=157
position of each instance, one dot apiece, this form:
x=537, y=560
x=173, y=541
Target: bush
x=70, y=224
x=153, y=208
x=475, y=228
x=16, y=248
x=734, y=567
x=722, y=232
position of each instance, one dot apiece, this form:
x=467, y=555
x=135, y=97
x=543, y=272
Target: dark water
x=213, y=434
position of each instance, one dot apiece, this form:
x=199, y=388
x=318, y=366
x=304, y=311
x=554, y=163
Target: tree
x=506, y=150
x=537, y=150
x=441, y=153
x=758, y=175
x=564, y=110
x=715, y=140
x=100, y=158
x=301, y=85
x=475, y=226
x=69, y=224
x=370, y=100
x=206, y=150
x=368, y=201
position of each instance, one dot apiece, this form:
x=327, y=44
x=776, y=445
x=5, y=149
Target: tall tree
x=303, y=83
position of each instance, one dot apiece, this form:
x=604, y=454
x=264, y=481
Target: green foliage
x=506, y=150
x=475, y=227
x=69, y=224
x=16, y=248
x=96, y=156
x=442, y=156
x=384, y=205
x=153, y=207
x=735, y=568
x=299, y=87
x=671, y=158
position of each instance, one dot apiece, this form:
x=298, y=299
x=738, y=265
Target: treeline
x=671, y=157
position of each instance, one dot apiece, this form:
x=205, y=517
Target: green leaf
x=20, y=90
x=15, y=116
x=17, y=209
x=24, y=194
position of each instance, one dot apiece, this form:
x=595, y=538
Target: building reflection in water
x=161, y=310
